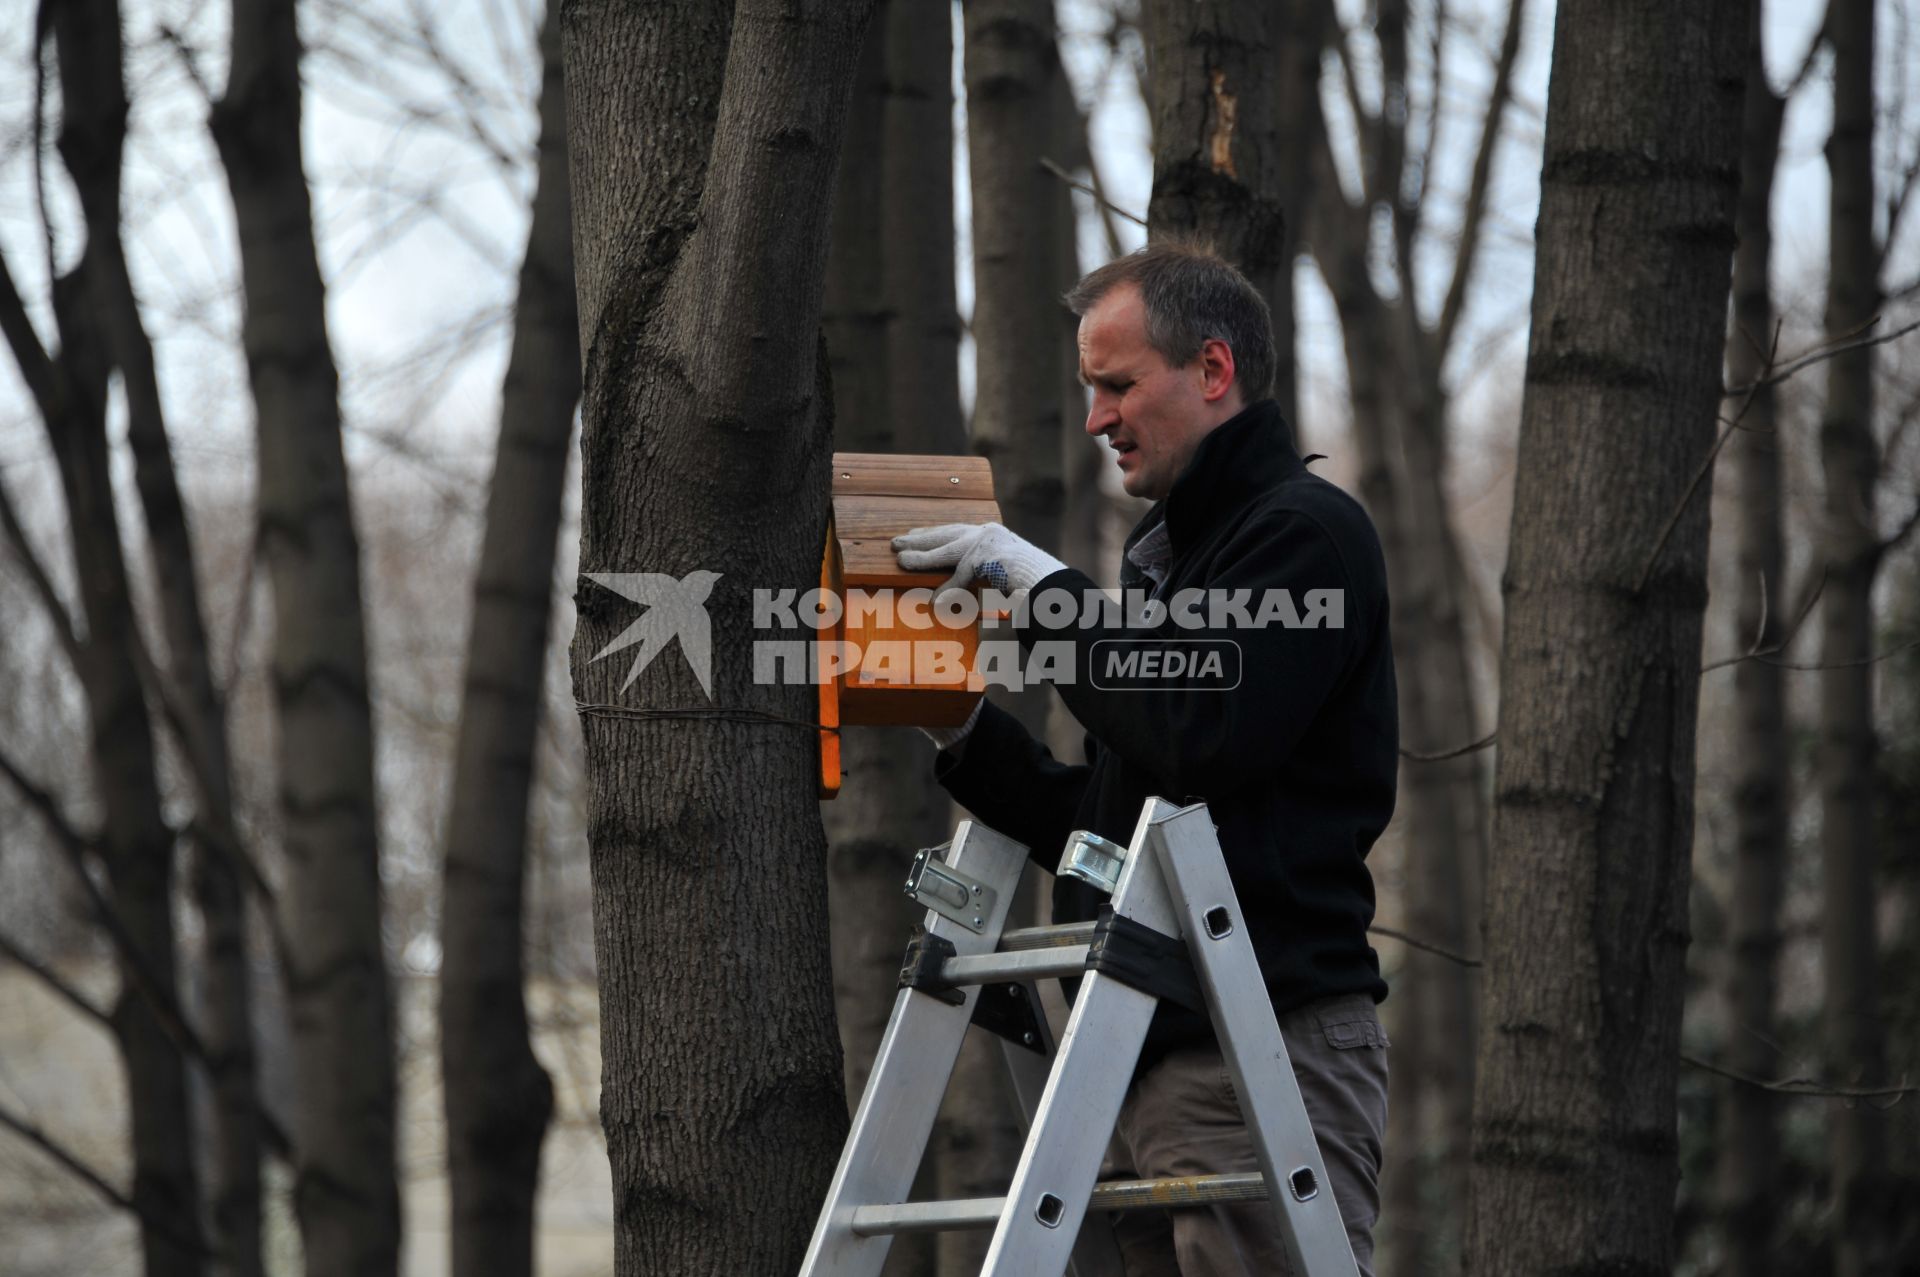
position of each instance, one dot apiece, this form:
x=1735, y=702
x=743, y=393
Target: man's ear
x=1216, y=370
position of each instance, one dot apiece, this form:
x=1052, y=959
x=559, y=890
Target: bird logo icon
x=675, y=608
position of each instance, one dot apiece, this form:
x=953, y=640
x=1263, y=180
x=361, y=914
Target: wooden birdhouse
x=892, y=659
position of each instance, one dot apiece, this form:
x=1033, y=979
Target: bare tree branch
x=189, y=61
x=92, y=1178
x=1460, y=959
x=1756, y=651
x=1820, y=354
x=54, y=983
x=1093, y=190
x=1445, y=754
x=1771, y=378
x=57, y=614
x=76, y=848
x=1799, y=1085
x=1901, y=533
x=1475, y=211
x=1840, y=665
x=36, y=369
x=47, y=808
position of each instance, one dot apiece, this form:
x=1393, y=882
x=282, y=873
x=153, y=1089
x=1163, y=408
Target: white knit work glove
x=976, y=552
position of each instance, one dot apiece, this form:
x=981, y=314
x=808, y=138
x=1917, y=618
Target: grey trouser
x=1181, y=1118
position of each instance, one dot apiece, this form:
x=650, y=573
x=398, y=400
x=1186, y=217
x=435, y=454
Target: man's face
x=1151, y=413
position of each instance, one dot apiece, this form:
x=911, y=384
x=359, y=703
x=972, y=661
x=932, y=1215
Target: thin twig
x=76, y=848
x=37, y=576
x=1705, y=468
x=1801, y=1085
x=1085, y=189
x=189, y=61
x=1443, y=755
x=86, y=1174
x=1477, y=185
x=1841, y=665
x=1425, y=946
x=1820, y=355
x=242, y=616
x=1905, y=530
x=1772, y=377
x=51, y=978
x=1792, y=632
x=43, y=803
x=1784, y=1086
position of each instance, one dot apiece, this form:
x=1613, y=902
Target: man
x=1294, y=752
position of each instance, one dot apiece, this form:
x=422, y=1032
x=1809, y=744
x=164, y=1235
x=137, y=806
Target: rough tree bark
x=703, y=137
x=1850, y=548
x=346, y=1191
x=1574, y=1158
x=92, y=307
x=1086, y=510
x=1762, y=783
x=892, y=332
x=1221, y=148
x=498, y=1097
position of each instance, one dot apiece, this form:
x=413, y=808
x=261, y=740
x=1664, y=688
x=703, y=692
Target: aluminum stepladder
x=1171, y=880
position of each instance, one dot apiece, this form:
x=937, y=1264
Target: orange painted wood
x=876, y=497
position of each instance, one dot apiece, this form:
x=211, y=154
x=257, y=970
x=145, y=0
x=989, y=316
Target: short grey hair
x=1192, y=295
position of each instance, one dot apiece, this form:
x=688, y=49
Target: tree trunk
x=1849, y=458
x=1433, y=1008
x=893, y=342
x=1021, y=341
x=1221, y=146
x=1446, y=819
x=138, y=846
x=916, y=231
x=498, y=1098
x=703, y=138
x=346, y=1192
x=1401, y=406
x=1749, y=1146
x=1011, y=69
x=1575, y=1151
x=1399, y=435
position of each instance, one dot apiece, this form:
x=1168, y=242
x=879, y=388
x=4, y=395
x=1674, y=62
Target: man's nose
x=1100, y=418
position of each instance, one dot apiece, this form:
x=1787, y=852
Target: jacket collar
x=1243, y=456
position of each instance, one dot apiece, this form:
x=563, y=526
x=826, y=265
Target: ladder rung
x=1192, y=1190
x=1115, y=1195
x=1029, y=964
x=1054, y=937
x=927, y=1217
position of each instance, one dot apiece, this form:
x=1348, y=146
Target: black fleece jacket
x=1297, y=763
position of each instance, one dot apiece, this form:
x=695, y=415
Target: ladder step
x=1053, y=937
x=1027, y=964
x=1115, y=1195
